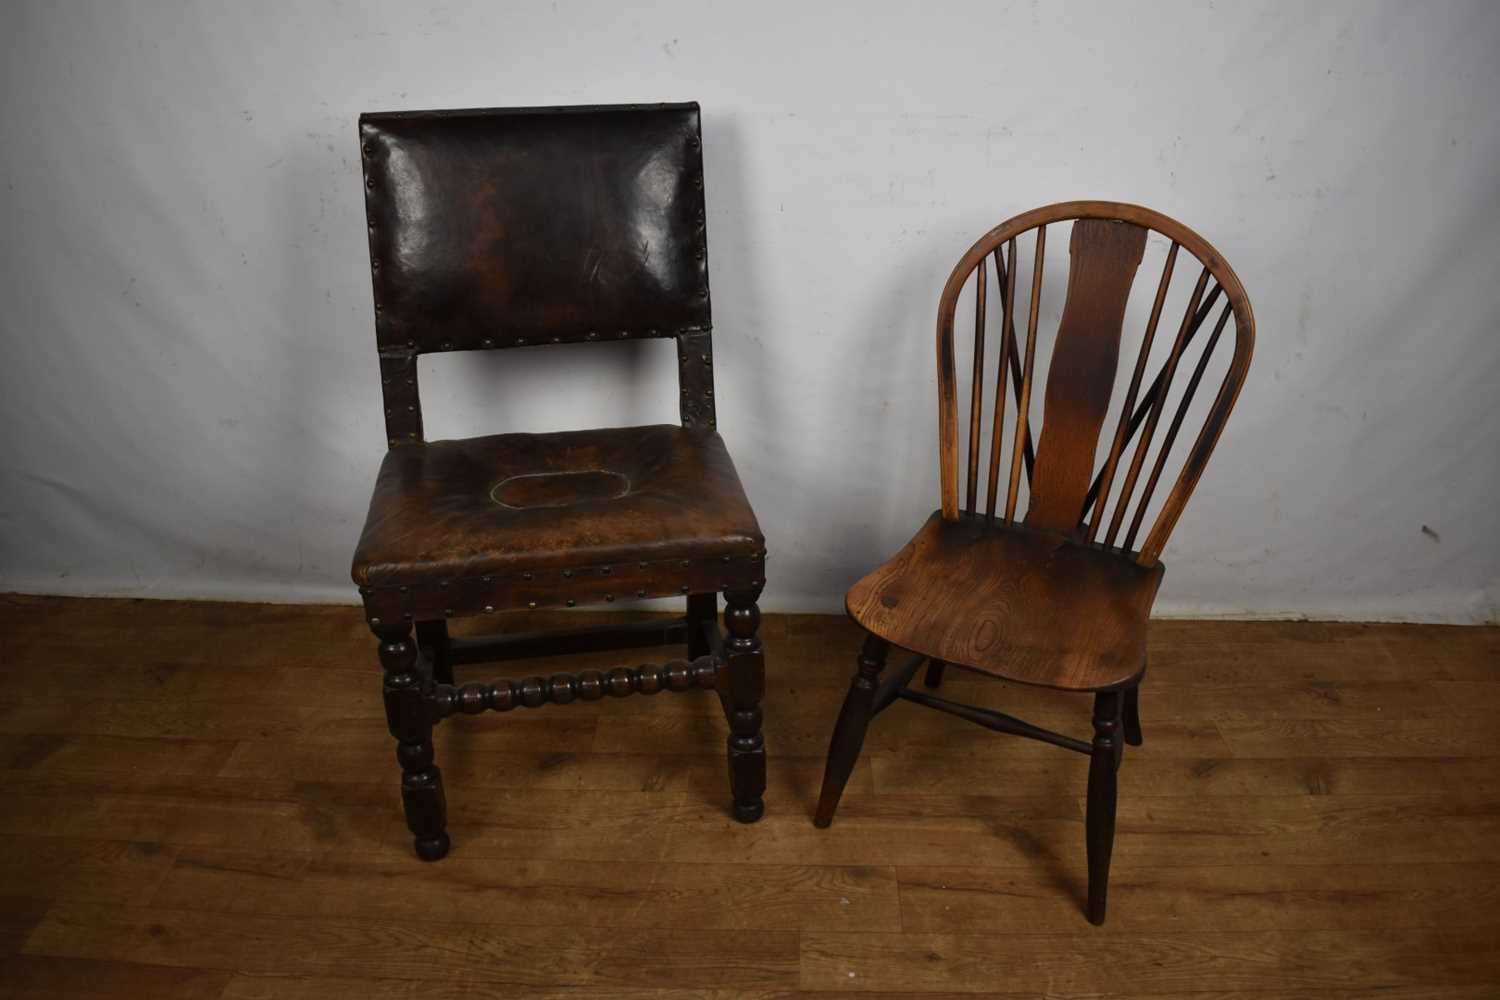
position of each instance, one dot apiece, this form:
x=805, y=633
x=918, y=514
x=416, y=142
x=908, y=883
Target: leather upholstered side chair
x=510, y=228
x=1060, y=596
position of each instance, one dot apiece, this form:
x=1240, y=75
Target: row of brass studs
x=572, y=338
x=561, y=689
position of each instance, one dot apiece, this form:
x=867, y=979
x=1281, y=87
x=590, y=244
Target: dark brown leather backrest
x=510, y=227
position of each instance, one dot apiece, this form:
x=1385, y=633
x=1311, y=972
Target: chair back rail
x=1067, y=494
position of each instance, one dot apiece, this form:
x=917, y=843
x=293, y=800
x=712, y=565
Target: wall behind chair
x=189, y=391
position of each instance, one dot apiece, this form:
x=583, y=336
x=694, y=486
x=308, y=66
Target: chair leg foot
x=744, y=689
x=406, y=716
x=1133, y=716
x=849, y=731
x=934, y=677
x=433, y=848
x=1102, y=793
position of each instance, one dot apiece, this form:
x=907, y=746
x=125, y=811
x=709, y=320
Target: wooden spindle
x=1166, y=444
x=976, y=391
x=1148, y=398
x=1005, y=279
x=1023, y=398
x=1107, y=477
x=1164, y=380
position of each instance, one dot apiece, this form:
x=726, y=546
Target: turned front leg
x=407, y=716
x=746, y=685
x=1103, y=763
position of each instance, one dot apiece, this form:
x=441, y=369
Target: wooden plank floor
x=201, y=801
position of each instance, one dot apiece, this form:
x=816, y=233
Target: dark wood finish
x=934, y=676
x=508, y=228
x=1038, y=598
x=744, y=686
x=849, y=732
x=193, y=818
x=406, y=690
x=1104, y=762
x=1105, y=257
x=1132, y=718
x=1016, y=603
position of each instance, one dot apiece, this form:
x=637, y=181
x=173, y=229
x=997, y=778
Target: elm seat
x=514, y=503
x=992, y=597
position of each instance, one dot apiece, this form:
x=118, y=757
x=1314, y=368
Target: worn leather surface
x=433, y=516
x=1012, y=601
x=489, y=228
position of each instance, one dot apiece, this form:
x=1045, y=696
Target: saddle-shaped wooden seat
x=1018, y=603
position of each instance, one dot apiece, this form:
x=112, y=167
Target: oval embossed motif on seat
x=559, y=489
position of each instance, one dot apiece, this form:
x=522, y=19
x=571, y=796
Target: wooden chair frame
x=1078, y=398
x=410, y=620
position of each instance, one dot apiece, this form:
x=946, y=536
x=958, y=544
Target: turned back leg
x=744, y=687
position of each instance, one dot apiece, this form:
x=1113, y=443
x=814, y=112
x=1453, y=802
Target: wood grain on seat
x=1011, y=601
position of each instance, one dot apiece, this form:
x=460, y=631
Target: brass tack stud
x=486, y=342
x=489, y=609
x=370, y=183
x=571, y=602
x=604, y=570
x=684, y=590
x=531, y=604
x=557, y=340
x=374, y=621
x=520, y=341
x=447, y=612
x=411, y=408
x=640, y=593
x=609, y=597
x=567, y=574
x=526, y=575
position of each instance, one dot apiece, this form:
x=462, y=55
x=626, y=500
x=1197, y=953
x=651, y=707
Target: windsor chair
x=1045, y=598
x=509, y=228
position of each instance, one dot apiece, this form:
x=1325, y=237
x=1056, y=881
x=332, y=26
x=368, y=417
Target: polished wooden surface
x=198, y=804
